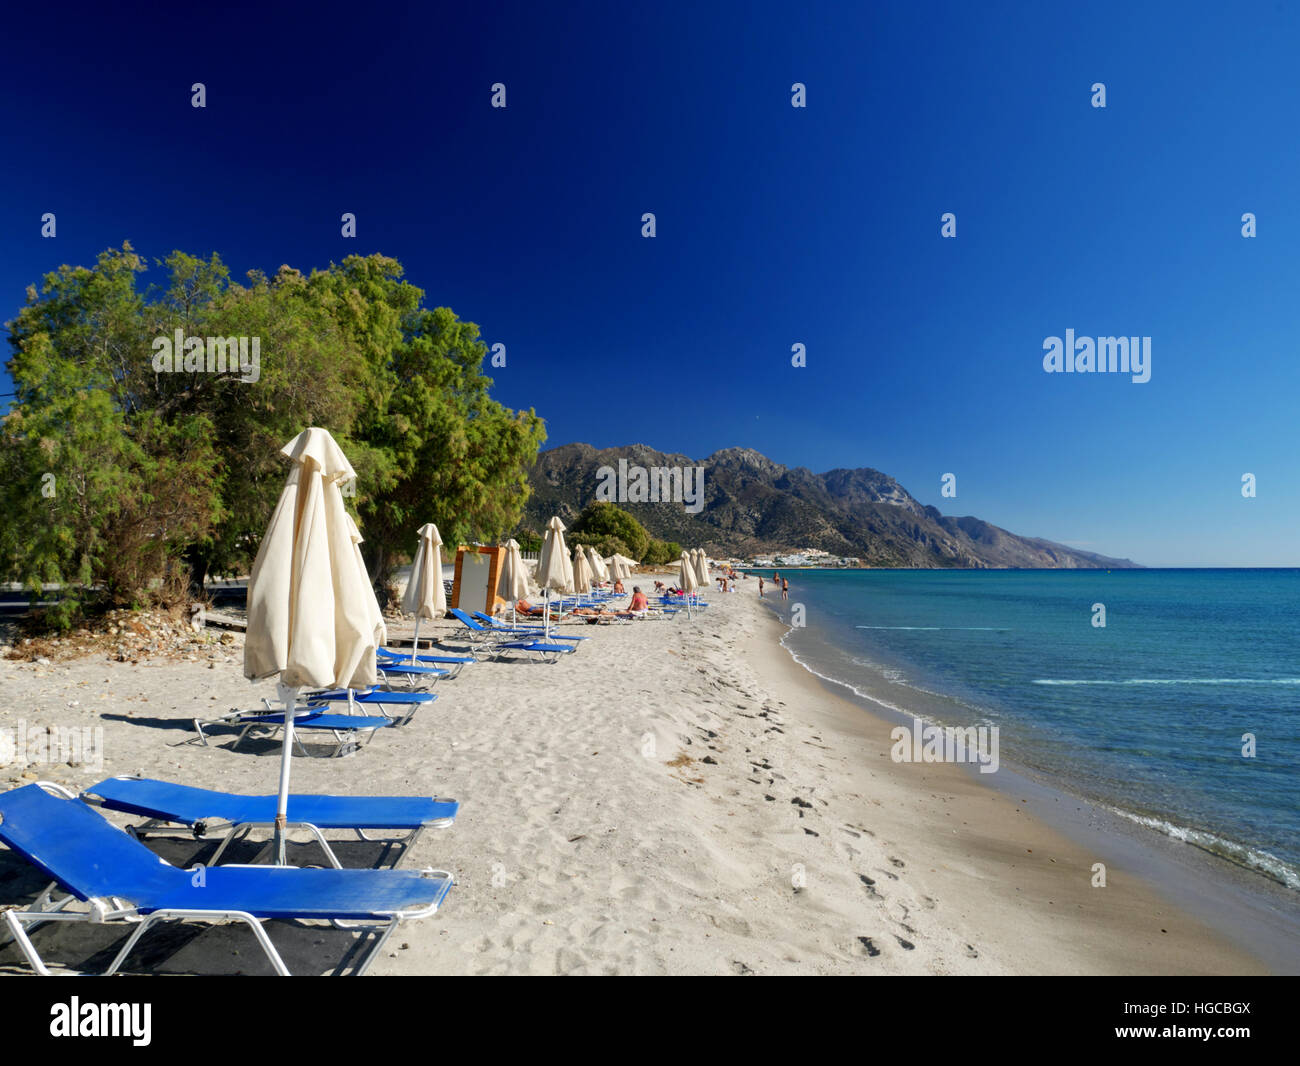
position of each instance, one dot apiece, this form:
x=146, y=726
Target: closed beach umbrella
x=378, y=627
x=620, y=567
x=513, y=583
x=702, y=568
x=598, y=571
x=311, y=612
x=582, y=575
x=552, y=571
x=425, y=597
x=687, y=579
x=570, y=584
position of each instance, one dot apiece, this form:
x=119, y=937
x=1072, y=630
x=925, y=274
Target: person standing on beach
x=785, y=589
x=760, y=585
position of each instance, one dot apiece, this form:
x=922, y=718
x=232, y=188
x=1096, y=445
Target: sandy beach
x=676, y=798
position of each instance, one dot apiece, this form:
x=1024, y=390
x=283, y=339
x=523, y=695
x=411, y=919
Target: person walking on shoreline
x=760, y=587
x=785, y=589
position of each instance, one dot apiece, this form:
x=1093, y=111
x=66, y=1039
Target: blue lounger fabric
x=371, y=696
x=73, y=845
x=189, y=806
x=322, y=721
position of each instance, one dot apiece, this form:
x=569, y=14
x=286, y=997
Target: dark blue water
x=1146, y=715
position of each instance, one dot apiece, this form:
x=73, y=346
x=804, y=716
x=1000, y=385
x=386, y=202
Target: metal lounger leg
x=14, y=919
x=209, y=916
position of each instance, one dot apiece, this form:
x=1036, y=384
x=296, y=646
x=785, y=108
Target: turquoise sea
x=1146, y=715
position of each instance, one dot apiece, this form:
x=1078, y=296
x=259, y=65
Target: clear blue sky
x=775, y=225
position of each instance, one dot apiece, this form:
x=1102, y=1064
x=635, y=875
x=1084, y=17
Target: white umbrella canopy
x=380, y=629
x=570, y=578
x=425, y=597
x=513, y=583
x=551, y=571
x=620, y=567
x=687, y=580
x=310, y=607
x=553, y=568
x=582, y=575
x=702, y=568
x=597, y=564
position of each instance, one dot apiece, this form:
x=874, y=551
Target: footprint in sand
x=870, y=885
x=866, y=942
x=906, y=945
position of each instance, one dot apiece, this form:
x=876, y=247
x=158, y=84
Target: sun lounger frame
x=105, y=910
x=234, y=832
x=346, y=740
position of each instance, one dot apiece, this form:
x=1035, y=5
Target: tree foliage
x=601, y=519
x=662, y=552
x=115, y=471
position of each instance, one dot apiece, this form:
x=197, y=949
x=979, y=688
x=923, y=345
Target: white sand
x=594, y=838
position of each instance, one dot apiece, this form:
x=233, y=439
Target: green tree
x=662, y=552
x=152, y=463
x=609, y=520
x=101, y=491
x=452, y=455
x=604, y=543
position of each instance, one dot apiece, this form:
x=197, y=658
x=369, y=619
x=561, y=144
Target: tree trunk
x=197, y=561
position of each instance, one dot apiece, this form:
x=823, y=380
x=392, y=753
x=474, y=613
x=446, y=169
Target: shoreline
x=1237, y=903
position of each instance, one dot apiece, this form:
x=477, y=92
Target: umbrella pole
x=546, y=613
x=290, y=698
x=415, y=642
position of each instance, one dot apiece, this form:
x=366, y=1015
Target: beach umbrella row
x=702, y=566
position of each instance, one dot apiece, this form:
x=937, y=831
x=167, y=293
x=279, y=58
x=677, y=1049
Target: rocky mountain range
x=754, y=506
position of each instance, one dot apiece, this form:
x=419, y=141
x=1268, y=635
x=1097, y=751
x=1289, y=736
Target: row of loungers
x=103, y=875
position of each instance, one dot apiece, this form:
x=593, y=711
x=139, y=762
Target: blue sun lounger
x=549, y=652
x=390, y=668
x=499, y=626
x=93, y=863
x=453, y=664
x=481, y=639
x=350, y=731
x=375, y=697
x=203, y=812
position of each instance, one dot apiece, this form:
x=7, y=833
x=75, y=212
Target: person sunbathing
x=524, y=607
x=639, y=607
